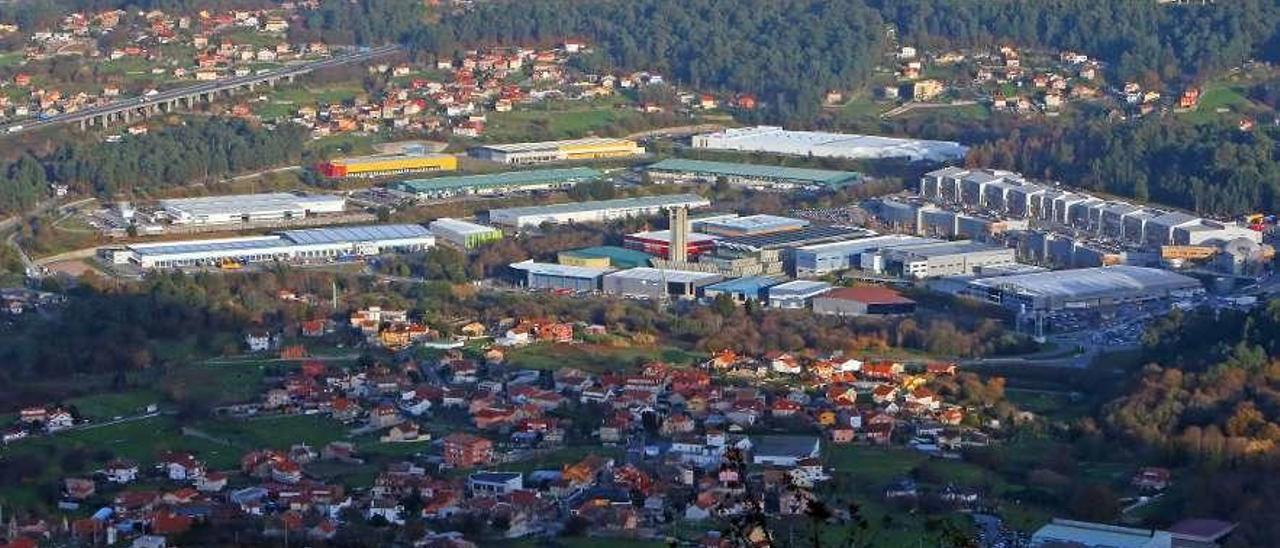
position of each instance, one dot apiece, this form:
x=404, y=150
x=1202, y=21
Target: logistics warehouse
x=558, y=151
x=376, y=166
x=679, y=170
x=495, y=183
x=316, y=244
x=209, y=210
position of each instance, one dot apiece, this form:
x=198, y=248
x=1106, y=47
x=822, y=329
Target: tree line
x=1211, y=168
x=1137, y=39
x=196, y=151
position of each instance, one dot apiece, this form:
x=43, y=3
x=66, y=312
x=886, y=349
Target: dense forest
x=1137, y=38
x=200, y=150
x=1209, y=168
x=786, y=52
x=1213, y=388
x=360, y=21
x=1208, y=401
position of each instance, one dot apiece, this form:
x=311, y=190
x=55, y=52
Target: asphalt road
x=122, y=105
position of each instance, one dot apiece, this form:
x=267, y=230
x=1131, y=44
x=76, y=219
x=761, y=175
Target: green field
x=105, y=406
x=563, y=120
x=141, y=440
x=1221, y=95
x=276, y=432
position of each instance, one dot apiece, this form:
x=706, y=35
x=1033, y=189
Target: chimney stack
x=678, y=250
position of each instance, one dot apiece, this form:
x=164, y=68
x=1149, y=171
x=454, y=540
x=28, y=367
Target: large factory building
x=655, y=283
x=306, y=245
x=1082, y=288
x=559, y=277
x=680, y=170
x=377, y=166
x=247, y=208
x=495, y=183
x=558, y=151
x=832, y=145
x=594, y=212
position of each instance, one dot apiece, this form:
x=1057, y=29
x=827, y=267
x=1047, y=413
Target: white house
x=785, y=451
x=388, y=509
x=258, y=341
x=120, y=471
x=58, y=420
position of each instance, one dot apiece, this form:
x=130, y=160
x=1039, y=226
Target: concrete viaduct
x=126, y=110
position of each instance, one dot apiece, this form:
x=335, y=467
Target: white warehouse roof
x=1087, y=283
x=664, y=275
x=248, y=204
x=816, y=143
x=461, y=227
x=561, y=270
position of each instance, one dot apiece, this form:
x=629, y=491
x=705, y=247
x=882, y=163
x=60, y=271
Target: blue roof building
x=741, y=290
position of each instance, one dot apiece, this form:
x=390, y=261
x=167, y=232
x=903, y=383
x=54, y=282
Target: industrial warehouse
x=559, y=277
x=679, y=170
x=822, y=259
x=377, y=166
x=863, y=301
x=463, y=234
x=558, y=151
x=604, y=256
x=751, y=225
x=656, y=283
x=594, y=212
x=741, y=290
x=658, y=242
x=1009, y=194
x=1082, y=288
x=495, y=183
x=247, y=208
x=796, y=294
x=315, y=244
x=776, y=140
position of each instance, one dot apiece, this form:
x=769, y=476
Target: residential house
x=121, y=471
x=462, y=450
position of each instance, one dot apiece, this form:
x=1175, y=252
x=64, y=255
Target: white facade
x=210, y=210
x=290, y=245
x=462, y=233
x=594, y=212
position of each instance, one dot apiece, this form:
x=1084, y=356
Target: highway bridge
x=171, y=100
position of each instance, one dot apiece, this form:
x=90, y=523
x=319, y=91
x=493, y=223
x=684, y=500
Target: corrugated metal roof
x=247, y=203
x=621, y=203
x=748, y=284
x=1083, y=283
x=365, y=233
x=222, y=245
x=658, y=275
x=804, y=236
x=554, y=145
x=798, y=288
x=619, y=256
x=757, y=223
x=804, y=175
x=566, y=271
x=489, y=180
x=462, y=227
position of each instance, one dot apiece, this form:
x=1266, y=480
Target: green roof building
x=752, y=175
x=496, y=183
x=604, y=256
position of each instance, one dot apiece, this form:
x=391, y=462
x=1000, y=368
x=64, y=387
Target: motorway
x=126, y=107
